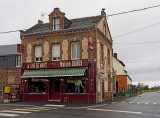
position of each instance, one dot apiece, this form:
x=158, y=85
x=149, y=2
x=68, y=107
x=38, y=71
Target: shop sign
x=72, y=63
x=20, y=48
x=36, y=65
x=56, y=64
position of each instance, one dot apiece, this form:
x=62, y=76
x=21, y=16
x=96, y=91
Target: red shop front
x=62, y=81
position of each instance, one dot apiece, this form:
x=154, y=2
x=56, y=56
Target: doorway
x=54, y=89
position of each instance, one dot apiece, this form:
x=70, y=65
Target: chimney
x=115, y=55
x=103, y=13
x=21, y=34
x=40, y=22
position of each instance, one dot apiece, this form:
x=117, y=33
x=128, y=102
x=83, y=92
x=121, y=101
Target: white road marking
x=41, y=108
x=53, y=105
x=18, y=105
x=26, y=109
x=11, y=111
x=113, y=102
x=146, y=103
x=131, y=102
x=9, y=115
x=131, y=112
x=138, y=103
x=96, y=105
x=154, y=103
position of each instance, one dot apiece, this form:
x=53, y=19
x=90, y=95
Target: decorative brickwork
x=65, y=50
x=46, y=51
x=84, y=48
x=29, y=53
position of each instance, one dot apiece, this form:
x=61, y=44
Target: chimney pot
x=40, y=22
x=103, y=12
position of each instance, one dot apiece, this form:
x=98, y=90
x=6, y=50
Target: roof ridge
x=84, y=18
x=8, y=45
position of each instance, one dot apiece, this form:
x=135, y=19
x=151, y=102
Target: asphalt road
x=142, y=106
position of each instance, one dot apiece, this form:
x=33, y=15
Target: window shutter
x=56, y=51
x=38, y=51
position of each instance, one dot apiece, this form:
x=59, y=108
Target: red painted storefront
x=56, y=87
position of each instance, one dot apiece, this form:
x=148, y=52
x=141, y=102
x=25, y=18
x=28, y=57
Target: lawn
x=144, y=91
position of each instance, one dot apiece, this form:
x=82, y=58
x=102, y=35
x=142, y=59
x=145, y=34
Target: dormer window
x=56, y=24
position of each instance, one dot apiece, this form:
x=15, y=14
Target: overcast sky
x=142, y=60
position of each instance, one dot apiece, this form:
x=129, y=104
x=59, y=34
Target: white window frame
x=77, y=55
x=56, y=24
x=18, y=61
x=38, y=53
x=56, y=47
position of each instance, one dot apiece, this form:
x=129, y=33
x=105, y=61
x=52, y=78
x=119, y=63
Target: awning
x=54, y=72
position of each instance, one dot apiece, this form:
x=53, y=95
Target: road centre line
x=131, y=112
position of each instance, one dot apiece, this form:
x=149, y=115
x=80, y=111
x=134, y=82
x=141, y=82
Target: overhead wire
x=133, y=10
x=142, y=60
x=106, y=16
x=136, y=30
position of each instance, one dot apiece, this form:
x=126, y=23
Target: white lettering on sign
x=72, y=63
x=65, y=64
x=77, y=63
x=36, y=65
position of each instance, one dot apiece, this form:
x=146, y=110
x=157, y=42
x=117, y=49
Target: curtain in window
x=75, y=50
x=56, y=24
x=56, y=51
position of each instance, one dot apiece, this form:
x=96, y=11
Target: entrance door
x=54, y=89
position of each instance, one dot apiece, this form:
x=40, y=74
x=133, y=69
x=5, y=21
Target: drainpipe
x=96, y=59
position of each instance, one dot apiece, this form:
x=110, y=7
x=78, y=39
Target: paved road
x=143, y=106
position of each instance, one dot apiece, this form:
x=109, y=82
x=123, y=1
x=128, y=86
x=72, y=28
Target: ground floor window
x=37, y=85
x=76, y=85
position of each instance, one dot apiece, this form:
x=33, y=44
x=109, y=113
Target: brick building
x=59, y=54
x=10, y=71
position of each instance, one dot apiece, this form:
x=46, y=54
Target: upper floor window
x=108, y=56
x=38, y=53
x=101, y=52
x=75, y=50
x=18, y=61
x=56, y=52
x=56, y=24
x=104, y=29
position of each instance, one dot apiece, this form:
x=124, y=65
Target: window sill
x=75, y=59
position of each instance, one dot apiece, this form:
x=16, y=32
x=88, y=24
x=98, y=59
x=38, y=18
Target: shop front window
x=76, y=85
x=37, y=85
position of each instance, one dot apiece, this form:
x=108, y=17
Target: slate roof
x=78, y=23
x=8, y=50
